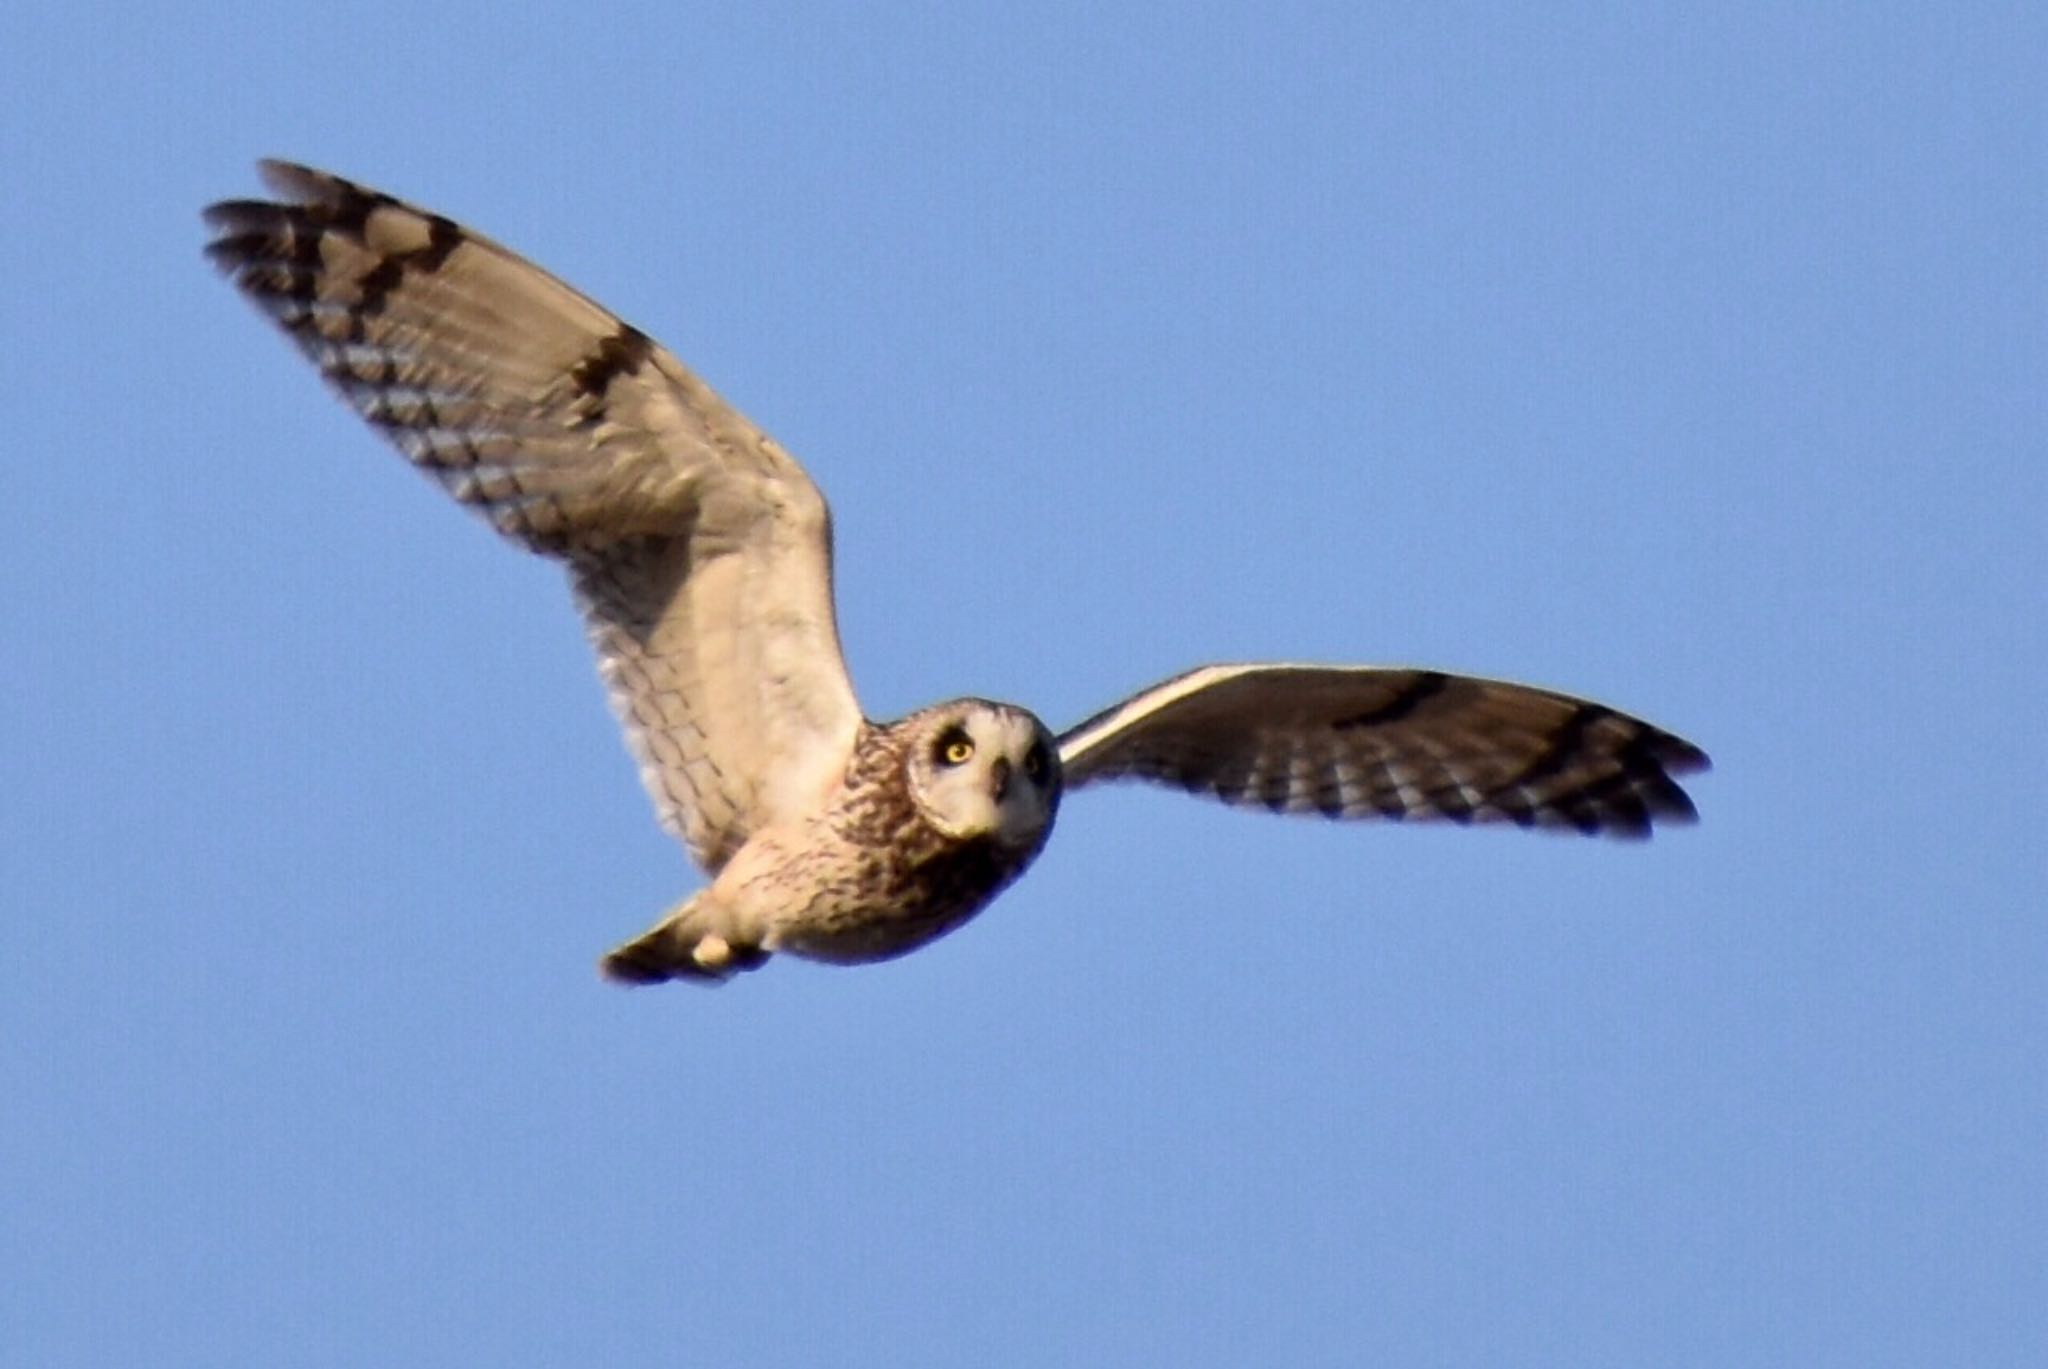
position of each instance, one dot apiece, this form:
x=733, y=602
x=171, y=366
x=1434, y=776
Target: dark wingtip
x=1681, y=757
x=298, y=181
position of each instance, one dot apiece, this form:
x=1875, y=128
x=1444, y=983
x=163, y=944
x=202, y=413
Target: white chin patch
x=963, y=815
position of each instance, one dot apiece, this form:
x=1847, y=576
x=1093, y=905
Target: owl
x=700, y=555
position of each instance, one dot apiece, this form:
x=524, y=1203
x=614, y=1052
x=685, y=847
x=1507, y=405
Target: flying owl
x=700, y=555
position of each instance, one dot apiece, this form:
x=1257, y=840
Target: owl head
x=978, y=768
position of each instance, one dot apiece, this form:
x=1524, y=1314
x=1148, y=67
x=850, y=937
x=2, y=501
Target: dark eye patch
x=953, y=736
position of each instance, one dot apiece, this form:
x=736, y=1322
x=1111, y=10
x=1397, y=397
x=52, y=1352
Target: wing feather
x=699, y=550
x=1365, y=742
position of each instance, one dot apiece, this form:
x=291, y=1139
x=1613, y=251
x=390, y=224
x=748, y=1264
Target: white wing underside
x=1364, y=742
x=699, y=550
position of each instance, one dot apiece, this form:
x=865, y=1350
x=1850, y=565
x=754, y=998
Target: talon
x=712, y=953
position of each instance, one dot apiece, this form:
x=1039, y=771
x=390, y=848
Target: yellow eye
x=957, y=751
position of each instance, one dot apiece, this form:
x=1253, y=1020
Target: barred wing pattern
x=699, y=550
x=1363, y=742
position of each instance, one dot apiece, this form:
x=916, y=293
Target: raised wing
x=699, y=549
x=1361, y=742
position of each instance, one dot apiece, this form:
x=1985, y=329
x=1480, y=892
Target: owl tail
x=680, y=946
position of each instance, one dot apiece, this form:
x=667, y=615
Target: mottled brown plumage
x=876, y=872
x=700, y=554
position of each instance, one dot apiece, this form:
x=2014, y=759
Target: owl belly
x=886, y=905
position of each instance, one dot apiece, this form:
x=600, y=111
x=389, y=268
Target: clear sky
x=1691, y=358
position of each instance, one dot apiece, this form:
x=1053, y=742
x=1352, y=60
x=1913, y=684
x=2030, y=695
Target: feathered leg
x=681, y=946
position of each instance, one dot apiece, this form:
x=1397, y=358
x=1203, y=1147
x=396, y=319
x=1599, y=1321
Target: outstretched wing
x=1361, y=742
x=699, y=549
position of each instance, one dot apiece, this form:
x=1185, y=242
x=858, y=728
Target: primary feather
x=1365, y=742
x=699, y=550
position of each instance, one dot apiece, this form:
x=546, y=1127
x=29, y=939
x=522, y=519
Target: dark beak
x=999, y=775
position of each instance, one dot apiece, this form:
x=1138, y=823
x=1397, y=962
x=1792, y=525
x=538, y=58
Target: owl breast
x=878, y=878
x=889, y=906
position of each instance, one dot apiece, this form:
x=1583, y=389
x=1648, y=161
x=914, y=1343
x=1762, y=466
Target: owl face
x=984, y=769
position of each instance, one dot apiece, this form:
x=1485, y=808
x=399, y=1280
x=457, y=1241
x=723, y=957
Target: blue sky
x=1690, y=360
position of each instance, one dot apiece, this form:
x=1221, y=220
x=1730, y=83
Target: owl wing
x=1363, y=742
x=699, y=550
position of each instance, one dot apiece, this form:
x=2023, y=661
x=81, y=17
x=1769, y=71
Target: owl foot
x=678, y=948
